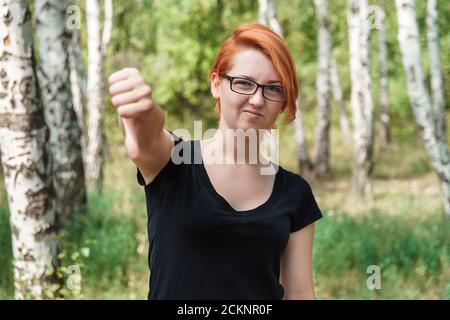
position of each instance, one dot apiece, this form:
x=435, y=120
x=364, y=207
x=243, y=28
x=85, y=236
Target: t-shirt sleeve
x=307, y=211
x=163, y=173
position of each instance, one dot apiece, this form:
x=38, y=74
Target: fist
x=130, y=94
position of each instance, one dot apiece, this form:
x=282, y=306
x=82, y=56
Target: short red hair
x=260, y=37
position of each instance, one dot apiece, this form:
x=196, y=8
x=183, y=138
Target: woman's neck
x=235, y=146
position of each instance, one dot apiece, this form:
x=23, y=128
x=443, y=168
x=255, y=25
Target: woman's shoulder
x=293, y=180
x=300, y=194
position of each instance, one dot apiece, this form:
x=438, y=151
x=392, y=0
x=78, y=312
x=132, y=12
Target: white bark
x=339, y=98
x=383, y=74
x=304, y=162
x=263, y=7
x=107, y=26
x=78, y=83
x=435, y=65
x=94, y=154
x=435, y=141
x=65, y=133
x=268, y=16
x=322, y=135
x=26, y=164
x=361, y=95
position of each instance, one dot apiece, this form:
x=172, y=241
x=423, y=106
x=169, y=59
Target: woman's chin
x=248, y=126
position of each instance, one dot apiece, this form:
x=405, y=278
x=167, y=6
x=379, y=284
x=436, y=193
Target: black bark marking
x=26, y=88
x=15, y=231
x=26, y=254
x=7, y=17
x=37, y=203
x=22, y=122
x=45, y=231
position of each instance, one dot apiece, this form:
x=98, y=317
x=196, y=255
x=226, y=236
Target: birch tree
x=107, y=26
x=78, y=79
x=26, y=163
x=65, y=133
x=304, y=162
x=434, y=138
x=361, y=95
x=339, y=99
x=437, y=94
x=385, y=135
x=268, y=16
x=96, y=53
x=322, y=135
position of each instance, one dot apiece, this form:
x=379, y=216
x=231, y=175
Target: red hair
x=260, y=37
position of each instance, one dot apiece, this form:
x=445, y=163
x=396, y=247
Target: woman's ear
x=215, y=85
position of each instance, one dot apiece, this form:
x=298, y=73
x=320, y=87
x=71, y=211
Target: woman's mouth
x=253, y=114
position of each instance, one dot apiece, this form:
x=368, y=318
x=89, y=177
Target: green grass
x=103, y=244
x=6, y=268
x=413, y=254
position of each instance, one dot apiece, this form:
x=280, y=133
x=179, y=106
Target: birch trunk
x=322, y=135
x=95, y=154
x=361, y=96
x=107, y=26
x=339, y=98
x=78, y=84
x=385, y=134
x=435, y=65
x=304, y=163
x=26, y=163
x=436, y=144
x=263, y=6
x=268, y=16
x=65, y=133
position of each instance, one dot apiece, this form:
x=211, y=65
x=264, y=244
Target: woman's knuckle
x=147, y=104
x=146, y=90
x=114, y=101
x=121, y=112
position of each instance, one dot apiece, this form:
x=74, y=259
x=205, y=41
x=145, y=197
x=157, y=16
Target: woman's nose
x=257, y=98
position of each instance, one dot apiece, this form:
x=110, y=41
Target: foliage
x=412, y=252
x=97, y=251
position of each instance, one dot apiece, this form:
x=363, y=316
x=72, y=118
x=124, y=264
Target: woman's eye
x=244, y=83
x=275, y=89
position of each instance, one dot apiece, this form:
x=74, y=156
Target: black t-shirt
x=202, y=248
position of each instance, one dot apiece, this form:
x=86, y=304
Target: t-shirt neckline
x=219, y=198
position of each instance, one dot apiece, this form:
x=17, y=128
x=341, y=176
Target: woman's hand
x=130, y=94
x=148, y=144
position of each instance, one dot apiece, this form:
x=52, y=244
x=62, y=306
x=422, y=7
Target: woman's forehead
x=254, y=64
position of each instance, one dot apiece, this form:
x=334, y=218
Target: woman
x=223, y=230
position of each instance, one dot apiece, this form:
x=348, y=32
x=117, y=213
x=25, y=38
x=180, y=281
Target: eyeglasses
x=248, y=87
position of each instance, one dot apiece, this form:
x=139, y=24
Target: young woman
x=221, y=230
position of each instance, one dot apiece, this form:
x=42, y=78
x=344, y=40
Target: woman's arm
x=148, y=144
x=296, y=274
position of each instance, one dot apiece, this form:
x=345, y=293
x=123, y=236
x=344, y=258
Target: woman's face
x=237, y=110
